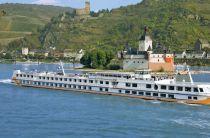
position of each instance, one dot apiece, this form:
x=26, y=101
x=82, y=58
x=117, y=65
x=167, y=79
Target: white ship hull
x=164, y=90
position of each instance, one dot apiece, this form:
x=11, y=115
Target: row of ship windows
x=162, y=95
x=64, y=79
x=164, y=87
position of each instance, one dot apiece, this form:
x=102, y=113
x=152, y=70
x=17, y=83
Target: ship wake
x=6, y=81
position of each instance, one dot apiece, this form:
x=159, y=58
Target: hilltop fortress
x=84, y=12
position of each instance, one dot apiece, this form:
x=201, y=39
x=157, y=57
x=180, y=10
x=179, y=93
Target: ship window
x=171, y=87
x=90, y=88
x=32, y=76
x=127, y=84
x=17, y=75
x=40, y=78
x=171, y=96
x=201, y=89
x=65, y=79
x=48, y=78
x=155, y=94
x=52, y=78
x=70, y=80
x=74, y=86
x=65, y=85
x=163, y=95
x=163, y=87
x=43, y=78
x=120, y=91
x=180, y=88
x=127, y=92
x=134, y=92
x=51, y=84
x=24, y=76
x=61, y=79
x=134, y=85
x=189, y=97
x=79, y=87
x=155, y=87
x=85, y=81
x=56, y=78
x=101, y=89
x=195, y=89
x=80, y=80
x=195, y=98
x=75, y=80
x=148, y=94
x=84, y=87
x=101, y=82
x=107, y=82
x=187, y=89
x=106, y=89
x=21, y=75
x=91, y=81
x=148, y=86
x=141, y=93
x=28, y=76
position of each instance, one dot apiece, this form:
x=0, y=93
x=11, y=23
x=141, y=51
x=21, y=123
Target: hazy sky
x=95, y=4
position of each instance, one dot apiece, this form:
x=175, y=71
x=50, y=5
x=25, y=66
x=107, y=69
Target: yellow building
x=84, y=11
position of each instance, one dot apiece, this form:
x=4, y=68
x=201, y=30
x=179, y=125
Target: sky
x=95, y=4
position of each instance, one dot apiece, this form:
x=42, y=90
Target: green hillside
x=22, y=20
x=175, y=24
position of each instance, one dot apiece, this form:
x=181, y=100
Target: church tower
x=145, y=42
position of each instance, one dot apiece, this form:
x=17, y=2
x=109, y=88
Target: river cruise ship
x=139, y=84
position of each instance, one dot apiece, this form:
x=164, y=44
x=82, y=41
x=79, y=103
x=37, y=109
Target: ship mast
x=63, y=71
x=190, y=75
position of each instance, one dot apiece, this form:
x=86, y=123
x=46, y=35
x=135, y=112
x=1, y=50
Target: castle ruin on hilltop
x=84, y=12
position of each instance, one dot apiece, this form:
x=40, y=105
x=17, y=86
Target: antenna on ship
x=190, y=75
x=61, y=63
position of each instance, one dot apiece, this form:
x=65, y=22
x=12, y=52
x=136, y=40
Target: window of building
x=163, y=87
x=134, y=92
x=195, y=89
x=141, y=93
x=148, y=86
x=148, y=94
x=163, y=95
x=127, y=92
x=127, y=84
x=155, y=94
x=134, y=85
x=171, y=88
x=171, y=96
x=179, y=88
x=187, y=89
x=156, y=87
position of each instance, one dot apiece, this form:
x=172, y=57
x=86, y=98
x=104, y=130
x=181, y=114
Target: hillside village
x=68, y=39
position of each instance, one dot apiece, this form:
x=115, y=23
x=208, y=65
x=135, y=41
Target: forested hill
x=174, y=23
x=20, y=20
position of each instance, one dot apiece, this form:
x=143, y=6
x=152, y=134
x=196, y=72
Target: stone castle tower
x=145, y=42
x=85, y=11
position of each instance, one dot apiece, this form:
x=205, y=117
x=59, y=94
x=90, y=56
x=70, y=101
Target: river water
x=32, y=113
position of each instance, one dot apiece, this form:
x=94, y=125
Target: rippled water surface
x=29, y=112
